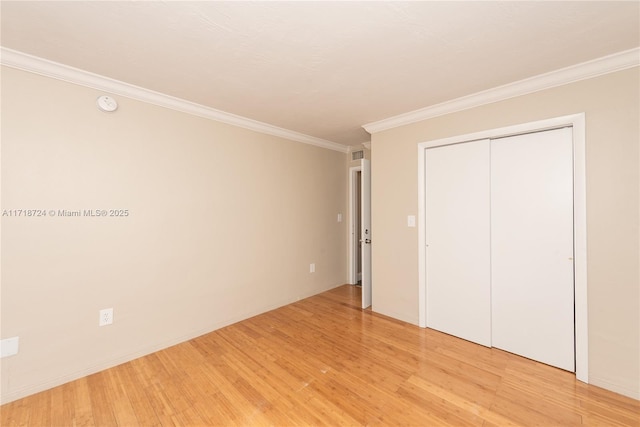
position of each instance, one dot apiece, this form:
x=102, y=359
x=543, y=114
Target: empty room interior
x=320, y=213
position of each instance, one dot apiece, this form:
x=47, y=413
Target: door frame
x=353, y=235
x=577, y=122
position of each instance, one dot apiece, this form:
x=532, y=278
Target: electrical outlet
x=312, y=268
x=106, y=317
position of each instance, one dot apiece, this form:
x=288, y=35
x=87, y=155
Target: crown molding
x=23, y=61
x=586, y=70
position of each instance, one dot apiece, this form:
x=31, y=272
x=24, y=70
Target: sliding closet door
x=458, y=241
x=532, y=295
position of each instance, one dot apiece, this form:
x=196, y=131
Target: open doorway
x=360, y=229
x=356, y=229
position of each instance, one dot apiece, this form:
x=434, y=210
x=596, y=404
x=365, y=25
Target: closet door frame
x=577, y=122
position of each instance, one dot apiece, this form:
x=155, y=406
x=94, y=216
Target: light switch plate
x=411, y=221
x=9, y=346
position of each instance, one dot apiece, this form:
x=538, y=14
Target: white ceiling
x=320, y=68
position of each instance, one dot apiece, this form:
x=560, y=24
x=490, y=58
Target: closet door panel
x=532, y=297
x=458, y=240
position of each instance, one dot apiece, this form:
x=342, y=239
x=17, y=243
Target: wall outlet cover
x=106, y=317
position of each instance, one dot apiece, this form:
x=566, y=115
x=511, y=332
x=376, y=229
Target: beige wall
x=611, y=104
x=223, y=224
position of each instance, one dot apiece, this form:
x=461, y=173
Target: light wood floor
x=324, y=361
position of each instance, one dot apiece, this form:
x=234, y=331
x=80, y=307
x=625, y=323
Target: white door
x=532, y=295
x=365, y=227
x=458, y=240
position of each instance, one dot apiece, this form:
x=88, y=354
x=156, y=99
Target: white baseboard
x=614, y=387
x=396, y=315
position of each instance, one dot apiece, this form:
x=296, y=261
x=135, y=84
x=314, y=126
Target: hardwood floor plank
x=60, y=408
x=16, y=413
x=444, y=412
x=472, y=385
x=559, y=414
x=41, y=409
x=356, y=397
x=162, y=408
x=82, y=410
x=611, y=413
x=472, y=406
x=100, y=405
x=325, y=361
x=134, y=388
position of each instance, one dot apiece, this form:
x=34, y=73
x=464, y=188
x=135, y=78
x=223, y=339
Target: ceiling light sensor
x=107, y=104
